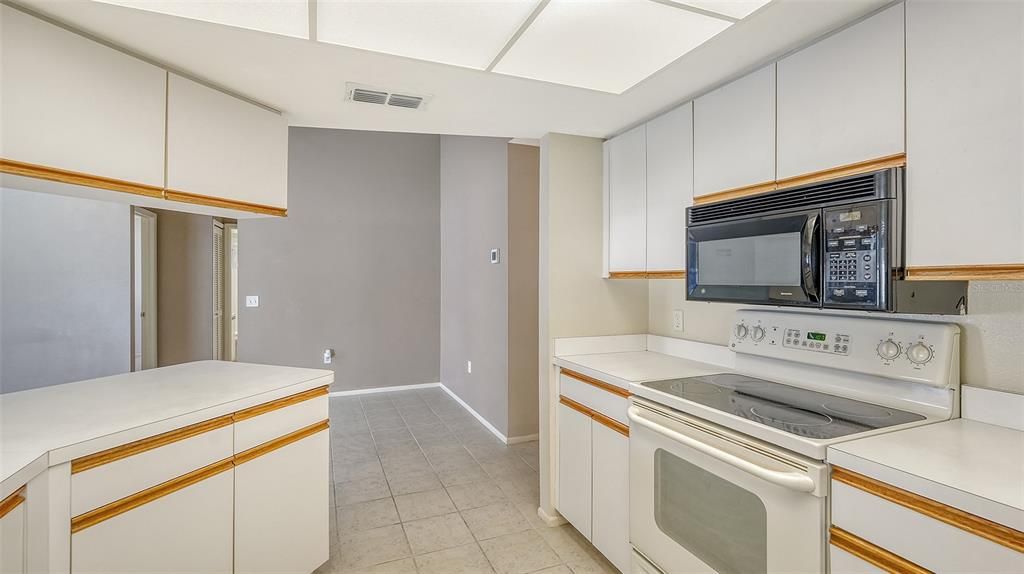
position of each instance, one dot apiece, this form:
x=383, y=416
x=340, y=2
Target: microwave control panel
x=854, y=249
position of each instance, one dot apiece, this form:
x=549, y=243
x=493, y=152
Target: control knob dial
x=888, y=349
x=919, y=353
x=741, y=331
x=758, y=333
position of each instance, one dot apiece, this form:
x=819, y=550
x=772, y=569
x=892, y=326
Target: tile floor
x=421, y=486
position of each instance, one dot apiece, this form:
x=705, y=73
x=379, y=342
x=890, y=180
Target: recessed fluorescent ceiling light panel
x=285, y=17
x=735, y=8
x=608, y=45
x=467, y=33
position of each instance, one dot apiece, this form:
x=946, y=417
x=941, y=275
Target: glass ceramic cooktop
x=794, y=410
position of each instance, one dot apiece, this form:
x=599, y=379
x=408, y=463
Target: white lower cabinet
x=12, y=541
x=575, y=487
x=278, y=498
x=189, y=530
x=611, y=495
x=842, y=562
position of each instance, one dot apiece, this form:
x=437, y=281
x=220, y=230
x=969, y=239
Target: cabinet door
x=611, y=495
x=189, y=530
x=669, y=187
x=574, y=468
x=70, y=103
x=12, y=541
x=841, y=101
x=282, y=505
x=734, y=134
x=965, y=140
x=220, y=146
x=625, y=191
x=842, y=562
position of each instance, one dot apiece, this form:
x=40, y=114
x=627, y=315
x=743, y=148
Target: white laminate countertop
x=970, y=465
x=621, y=369
x=51, y=425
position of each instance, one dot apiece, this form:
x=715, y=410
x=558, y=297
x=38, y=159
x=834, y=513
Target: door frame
x=148, y=274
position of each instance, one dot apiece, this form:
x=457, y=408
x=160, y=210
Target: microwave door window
x=755, y=261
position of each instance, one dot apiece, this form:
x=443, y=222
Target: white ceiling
x=306, y=79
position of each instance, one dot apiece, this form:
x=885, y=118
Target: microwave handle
x=809, y=264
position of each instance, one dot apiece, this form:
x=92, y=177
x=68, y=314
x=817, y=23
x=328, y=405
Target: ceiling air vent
x=384, y=97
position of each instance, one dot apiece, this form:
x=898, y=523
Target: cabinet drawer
x=935, y=545
x=842, y=562
x=269, y=421
x=115, y=473
x=607, y=399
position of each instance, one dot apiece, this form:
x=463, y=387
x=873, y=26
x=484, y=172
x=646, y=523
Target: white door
x=575, y=472
x=669, y=187
x=701, y=501
x=218, y=290
x=231, y=290
x=625, y=200
x=611, y=495
x=12, y=541
x=144, y=291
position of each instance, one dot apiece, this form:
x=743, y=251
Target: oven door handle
x=791, y=480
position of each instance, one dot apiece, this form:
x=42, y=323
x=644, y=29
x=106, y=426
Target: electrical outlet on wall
x=469, y=366
x=252, y=300
x=677, y=320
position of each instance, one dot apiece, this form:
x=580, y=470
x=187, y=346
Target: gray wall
x=474, y=293
x=185, y=326
x=65, y=289
x=354, y=266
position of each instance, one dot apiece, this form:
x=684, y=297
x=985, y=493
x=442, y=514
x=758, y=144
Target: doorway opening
x=144, y=302
x=225, y=289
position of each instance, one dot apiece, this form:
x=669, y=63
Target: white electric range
x=727, y=471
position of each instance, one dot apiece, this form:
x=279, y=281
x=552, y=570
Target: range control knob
x=741, y=331
x=888, y=349
x=758, y=333
x=919, y=353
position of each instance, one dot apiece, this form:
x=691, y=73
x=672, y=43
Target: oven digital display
x=816, y=336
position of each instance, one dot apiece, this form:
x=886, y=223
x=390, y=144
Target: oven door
x=706, y=499
x=770, y=259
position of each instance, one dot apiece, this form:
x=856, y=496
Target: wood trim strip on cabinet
x=77, y=178
x=210, y=201
x=599, y=417
x=992, y=531
x=280, y=403
x=11, y=502
x=599, y=384
x=873, y=554
x=118, y=507
x=994, y=272
x=895, y=160
x=627, y=275
x=149, y=443
x=281, y=441
x=666, y=274
x=736, y=192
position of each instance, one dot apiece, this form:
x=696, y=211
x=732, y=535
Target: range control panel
x=918, y=351
x=854, y=255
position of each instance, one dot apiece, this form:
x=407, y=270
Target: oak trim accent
x=599, y=384
x=149, y=443
x=736, y=192
x=281, y=441
x=992, y=272
x=118, y=507
x=992, y=531
x=78, y=178
x=668, y=274
x=210, y=201
x=279, y=403
x=873, y=554
x=627, y=275
x=595, y=415
x=12, y=501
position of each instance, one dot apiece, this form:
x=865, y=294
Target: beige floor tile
x=597, y=565
x=494, y=520
x=568, y=543
x=529, y=512
x=438, y=533
x=371, y=547
x=359, y=470
x=423, y=504
x=463, y=475
x=353, y=491
x=367, y=515
x=404, y=566
x=468, y=559
x=410, y=482
x=519, y=553
x=560, y=569
x=405, y=463
x=475, y=494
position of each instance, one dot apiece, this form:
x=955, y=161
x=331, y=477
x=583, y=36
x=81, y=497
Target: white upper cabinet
x=625, y=201
x=669, y=188
x=841, y=101
x=72, y=104
x=222, y=147
x=734, y=134
x=965, y=133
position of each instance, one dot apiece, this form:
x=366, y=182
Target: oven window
x=761, y=260
x=720, y=523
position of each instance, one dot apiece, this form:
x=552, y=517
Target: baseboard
x=551, y=520
x=383, y=390
x=523, y=438
x=477, y=415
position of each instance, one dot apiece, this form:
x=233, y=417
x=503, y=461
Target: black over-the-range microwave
x=836, y=244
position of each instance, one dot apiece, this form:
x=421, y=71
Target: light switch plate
x=495, y=256
x=252, y=300
x=677, y=319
